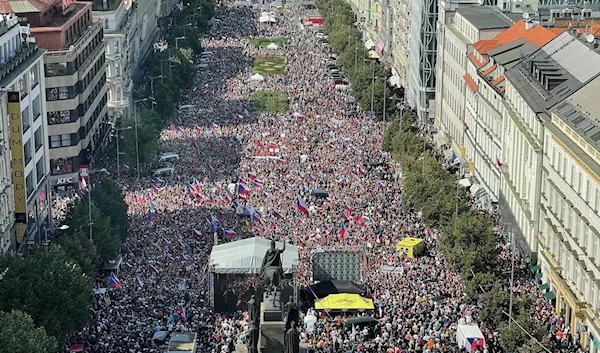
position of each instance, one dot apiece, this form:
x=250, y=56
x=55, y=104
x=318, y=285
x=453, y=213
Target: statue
x=253, y=333
x=292, y=340
x=253, y=310
x=291, y=314
x=271, y=270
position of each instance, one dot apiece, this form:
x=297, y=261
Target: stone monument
x=272, y=328
x=292, y=339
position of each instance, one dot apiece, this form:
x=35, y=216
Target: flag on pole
x=197, y=233
x=82, y=183
x=228, y=233
x=343, y=232
x=138, y=280
x=113, y=281
x=302, y=207
x=153, y=269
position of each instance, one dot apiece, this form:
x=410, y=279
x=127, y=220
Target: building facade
x=130, y=30
x=75, y=78
x=570, y=206
x=25, y=190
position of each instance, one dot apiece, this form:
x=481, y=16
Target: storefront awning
x=369, y=44
x=535, y=268
x=439, y=139
x=549, y=295
x=448, y=154
x=539, y=276
x=544, y=286
x=373, y=54
x=465, y=183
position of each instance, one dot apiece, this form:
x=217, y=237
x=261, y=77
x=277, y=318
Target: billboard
x=17, y=161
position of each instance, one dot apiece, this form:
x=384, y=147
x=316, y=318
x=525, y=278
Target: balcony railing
x=26, y=50
x=87, y=34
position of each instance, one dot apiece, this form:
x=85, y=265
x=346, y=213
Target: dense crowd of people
x=235, y=161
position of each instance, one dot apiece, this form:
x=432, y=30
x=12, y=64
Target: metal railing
x=26, y=50
x=87, y=34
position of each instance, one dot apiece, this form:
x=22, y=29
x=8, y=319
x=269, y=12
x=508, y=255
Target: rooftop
x=537, y=35
x=561, y=67
x=58, y=21
x=23, y=6
x=484, y=17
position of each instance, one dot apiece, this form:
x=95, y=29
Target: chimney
x=530, y=23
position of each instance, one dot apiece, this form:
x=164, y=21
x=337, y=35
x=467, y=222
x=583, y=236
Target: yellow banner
x=17, y=162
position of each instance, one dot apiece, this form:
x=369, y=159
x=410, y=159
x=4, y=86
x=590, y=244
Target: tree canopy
x=18, y=334
x=50, y=287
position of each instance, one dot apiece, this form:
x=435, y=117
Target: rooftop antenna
x=590, y=39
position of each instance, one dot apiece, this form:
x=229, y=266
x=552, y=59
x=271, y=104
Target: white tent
x=272, y=46
x=245, y=256
x=256, y=78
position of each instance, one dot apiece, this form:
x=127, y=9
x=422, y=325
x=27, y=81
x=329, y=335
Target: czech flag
x=153, y=269
x=300, y=175
x=348, y=208
x=302, y=207
x=113, y=281
x=343, y=232
x=258, y=183
x=229, y=233
x=251, y=175
x=243, y=189
x=343, y=181
x=277, y=215
x=197, y=233
x=82, y=184
x=380, y=184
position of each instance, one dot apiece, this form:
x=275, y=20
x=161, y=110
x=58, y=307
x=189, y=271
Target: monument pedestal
x=272, y=327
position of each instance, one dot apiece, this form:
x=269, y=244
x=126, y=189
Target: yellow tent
x=344, y=302
x=411, y=246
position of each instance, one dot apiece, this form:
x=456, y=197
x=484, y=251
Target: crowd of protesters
x=234, y=161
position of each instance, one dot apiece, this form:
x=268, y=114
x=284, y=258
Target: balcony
x=119, y=104
x=7, y=23
x=26, y=50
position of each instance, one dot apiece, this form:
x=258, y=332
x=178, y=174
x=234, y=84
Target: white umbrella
x=272, y=46
x=257, y=77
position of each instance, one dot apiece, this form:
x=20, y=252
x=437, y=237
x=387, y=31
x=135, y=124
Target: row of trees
x=468, y=242
x=346, y=41
x=46, y=296
x=175, y=63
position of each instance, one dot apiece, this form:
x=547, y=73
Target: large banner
x=17, y=162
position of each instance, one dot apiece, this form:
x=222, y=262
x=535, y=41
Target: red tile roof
x=498, y=80
x=489, y=70
x=475, y=61
x=537, y=35
x=472, y=85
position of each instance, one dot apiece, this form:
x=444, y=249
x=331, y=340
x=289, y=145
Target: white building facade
x=569, y=226
x=26, y=198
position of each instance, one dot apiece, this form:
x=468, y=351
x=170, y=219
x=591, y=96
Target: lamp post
x=161, y=67
x=152, y=78
x=46, y=230
x=177, y=41
x=372, y=88
x=137, y=144
x=90, y=222
x=118, y=152
x=384, y=102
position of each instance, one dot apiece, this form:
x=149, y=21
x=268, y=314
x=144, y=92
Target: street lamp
x=152, y=78
x=177, y=41
x=119, y=153
x=137, y=145
x=46, y=230
x=90, y=223
x=372, y=87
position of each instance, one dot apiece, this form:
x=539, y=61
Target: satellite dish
x=525, y=15
x=590, y=38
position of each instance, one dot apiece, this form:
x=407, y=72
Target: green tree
x=18, y=334
x=51, y=288
x=147, y=136
x=493, y=304
x=478, y=284
x=515, y=339
x=109, y=198
x=108, y=242
x=78, y=247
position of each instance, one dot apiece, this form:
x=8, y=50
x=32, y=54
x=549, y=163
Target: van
x=167, y=156
x=164, y=171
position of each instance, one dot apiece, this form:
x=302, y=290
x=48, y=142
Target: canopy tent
x=272, y=46
x=369, y=44
x=256, y=78
x=245, y=256
x=359, y=320
x=325, y=288
x=344, y=302
x=320, y=193
x=411, y=246
x=267, y=19
x=373, y=54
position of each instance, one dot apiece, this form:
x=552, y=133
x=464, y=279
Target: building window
x=56, y=69
x=26, y=119
x=59, y=117
x=36, y=108
x=27, y=151
x=39, y=168
x=34, y=77
x=30, y=185
x=61, y=166
x=63, y=140
x=22, y=87
x=57, y=93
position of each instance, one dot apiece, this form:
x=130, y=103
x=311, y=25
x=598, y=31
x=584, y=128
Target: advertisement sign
x=83, y=172
x=17, y=162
